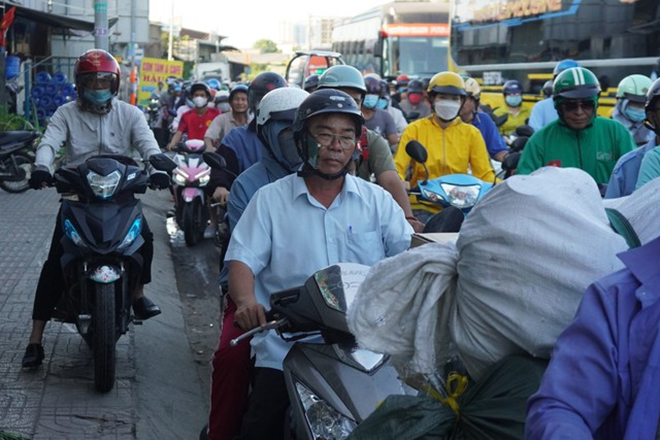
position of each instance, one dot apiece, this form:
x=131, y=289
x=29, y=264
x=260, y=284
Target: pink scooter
x=189, y=179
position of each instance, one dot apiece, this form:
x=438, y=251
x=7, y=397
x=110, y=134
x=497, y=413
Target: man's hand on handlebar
x=40, y=178
x=250, y=315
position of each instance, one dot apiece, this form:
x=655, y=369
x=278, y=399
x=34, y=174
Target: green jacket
x=594, y=149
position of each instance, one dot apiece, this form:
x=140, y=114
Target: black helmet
x=200, y=86
x=322, y=101
x=415, y=86
x=311, y=83
x=652, y=98
x=262, y=84
x=372, y=85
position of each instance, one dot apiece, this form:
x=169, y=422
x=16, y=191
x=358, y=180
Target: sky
x=245, y=21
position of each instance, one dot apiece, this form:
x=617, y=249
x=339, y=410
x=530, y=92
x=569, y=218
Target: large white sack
x=642, y=209
x=527, y=252
x=402, y=308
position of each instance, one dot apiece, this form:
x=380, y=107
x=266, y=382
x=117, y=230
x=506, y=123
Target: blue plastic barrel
x=41, y=114
x=37, y=91
x=42, y=77
x=68, y=89
x=12, y=66
x=59, y=78
x=45, y=102
x=50, y=89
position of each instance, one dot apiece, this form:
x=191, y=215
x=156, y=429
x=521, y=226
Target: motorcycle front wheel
x=192, y=222
x=23, y=164
x=103, y=338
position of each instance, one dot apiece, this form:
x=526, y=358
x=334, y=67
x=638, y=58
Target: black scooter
x=333, y=386
x=16, y=159
x=102, y=221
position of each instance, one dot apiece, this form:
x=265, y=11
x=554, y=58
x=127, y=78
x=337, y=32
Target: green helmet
x=342, y=76
x=634, y=88
x=575, y=83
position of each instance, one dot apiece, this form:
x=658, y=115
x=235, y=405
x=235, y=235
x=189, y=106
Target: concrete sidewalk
x=158, y=394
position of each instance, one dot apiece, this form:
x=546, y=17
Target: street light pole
x=101, y=24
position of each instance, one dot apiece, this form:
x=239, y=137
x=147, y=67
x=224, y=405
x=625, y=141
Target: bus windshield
x=417, y=56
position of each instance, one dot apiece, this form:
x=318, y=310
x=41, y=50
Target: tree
x=266, y=46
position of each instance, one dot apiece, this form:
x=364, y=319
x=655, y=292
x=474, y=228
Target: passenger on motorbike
x=470, y=114
x=544, y=111
x=516, y=113
x=629, y=108
x=385, y=103
x=375, y=157
x=298, y=225
x=231, y=366
x=452, y=145
x=96, y=123
x=579, y=138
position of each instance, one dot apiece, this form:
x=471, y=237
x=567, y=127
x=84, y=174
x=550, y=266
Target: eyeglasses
x=585, y=104
x=326, y=139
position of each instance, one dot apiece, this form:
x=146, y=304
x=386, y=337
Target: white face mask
x=447, y=110
x=200, y=101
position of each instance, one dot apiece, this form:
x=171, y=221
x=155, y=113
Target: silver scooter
x=333, y=385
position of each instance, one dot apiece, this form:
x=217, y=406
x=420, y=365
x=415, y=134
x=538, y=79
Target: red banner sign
x=5, y=22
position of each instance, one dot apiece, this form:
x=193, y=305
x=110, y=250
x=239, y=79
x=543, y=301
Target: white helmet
x=279, y=104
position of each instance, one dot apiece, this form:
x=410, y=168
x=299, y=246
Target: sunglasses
x=586, y=105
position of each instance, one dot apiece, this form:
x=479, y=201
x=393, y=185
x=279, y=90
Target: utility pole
x=101, y=24
x=170, y=43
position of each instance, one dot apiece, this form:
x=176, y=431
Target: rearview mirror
x=215, y=161
x=417, y=151
x=162, y=162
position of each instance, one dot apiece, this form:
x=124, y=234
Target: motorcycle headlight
x=434, y=197
x=203, y=177
x=322, y=419
x=133, y=233
x=180, y=177
x=461, y=196
x=103, y=186
x=73, y=235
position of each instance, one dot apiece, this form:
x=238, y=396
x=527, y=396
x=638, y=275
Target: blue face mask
x=382, y=103
x=370, y=101
x=513, y=101
x=635, y=114
x=98, y=97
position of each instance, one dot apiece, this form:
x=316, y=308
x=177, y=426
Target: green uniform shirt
x=594, y=149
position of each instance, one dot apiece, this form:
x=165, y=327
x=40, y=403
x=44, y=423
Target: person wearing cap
x=544, y=111
x=414, y=105
x=579, y=138
x=238, y=116
x=517, y=114
x=650, y=166
x=629, y=108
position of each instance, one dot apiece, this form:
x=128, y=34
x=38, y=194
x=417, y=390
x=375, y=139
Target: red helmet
x=97, y=63
x=402, y=80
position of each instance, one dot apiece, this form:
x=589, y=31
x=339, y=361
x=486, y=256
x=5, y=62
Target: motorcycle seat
x=11, y=138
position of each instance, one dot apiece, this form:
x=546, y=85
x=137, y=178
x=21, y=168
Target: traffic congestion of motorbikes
x=471, y=330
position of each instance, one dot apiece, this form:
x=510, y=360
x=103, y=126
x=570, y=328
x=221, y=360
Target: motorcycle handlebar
x=270, y=325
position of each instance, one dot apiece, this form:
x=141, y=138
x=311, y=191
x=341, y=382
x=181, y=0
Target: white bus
x=405, y=37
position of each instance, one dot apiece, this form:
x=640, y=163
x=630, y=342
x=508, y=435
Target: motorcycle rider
x=629, y=108
x=195, y=122
x=650, y=167
x=517, y=114
x=377, y=120
x=298, y=225
x=470, y=114
x=414, y=106
x=238, y=116
x=375, y=156
x=579, y=138
x=626, y=172
x=231, y=366
x=544, y=111
x=452, y=145
x=96, y=123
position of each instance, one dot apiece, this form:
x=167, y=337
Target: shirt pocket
x=366, y=247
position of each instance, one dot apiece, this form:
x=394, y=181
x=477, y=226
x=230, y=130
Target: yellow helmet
x=448, y=83
x=472, y=88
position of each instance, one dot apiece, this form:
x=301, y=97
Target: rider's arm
x=212, y=133
x=142, y=137
x=401, y=158
x=249, y=313
x=53, y=139
x=479, y=158
x=581, y=385
x=532, y=156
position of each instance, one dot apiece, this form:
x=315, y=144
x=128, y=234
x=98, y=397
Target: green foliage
x=11, y=122
x=266, y=46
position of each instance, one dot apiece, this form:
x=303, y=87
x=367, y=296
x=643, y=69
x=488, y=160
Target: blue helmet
x=563, y=65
